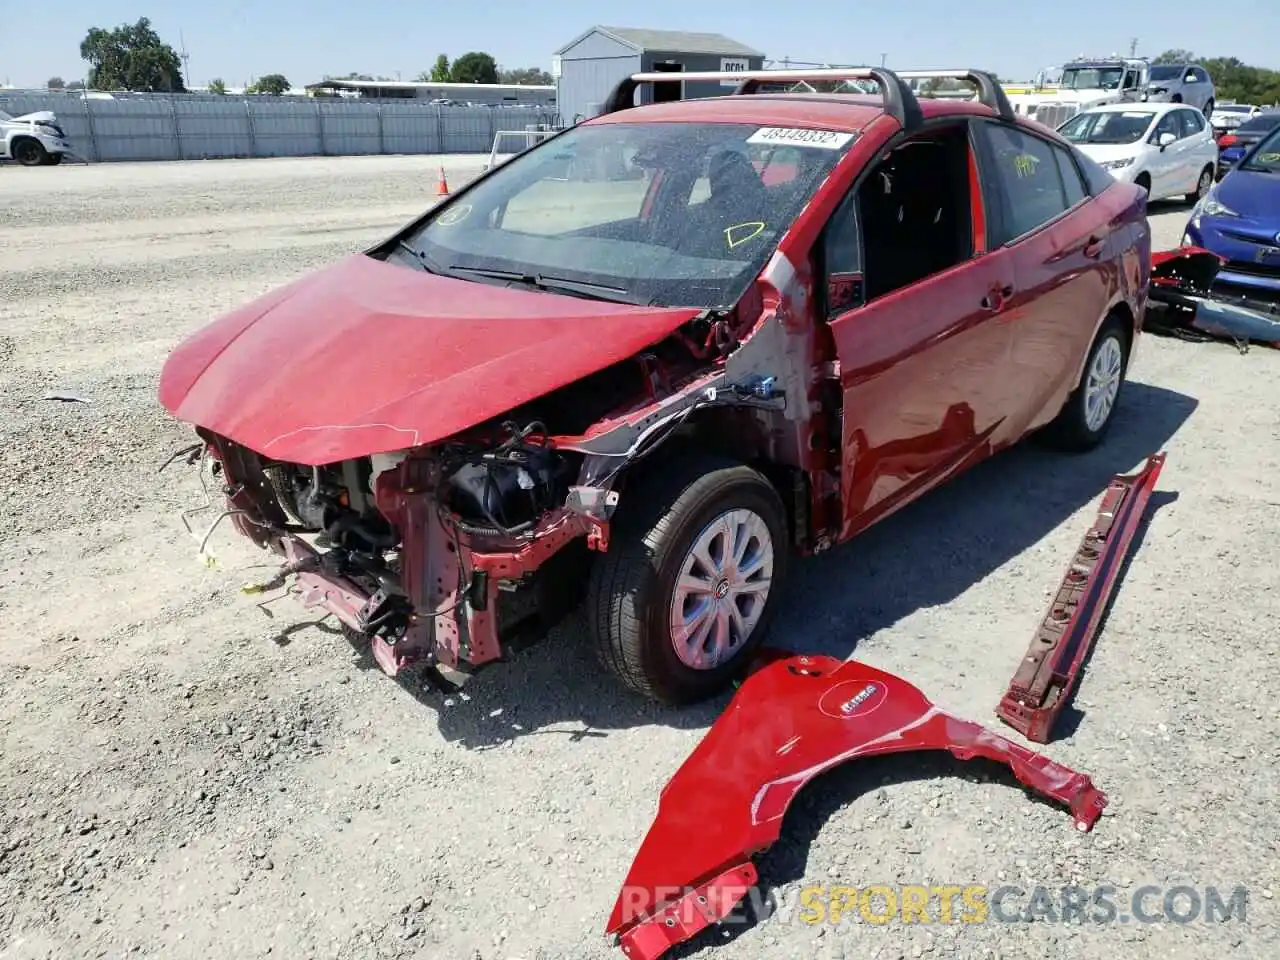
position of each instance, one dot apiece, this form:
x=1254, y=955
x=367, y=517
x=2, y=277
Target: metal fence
x=196, y=127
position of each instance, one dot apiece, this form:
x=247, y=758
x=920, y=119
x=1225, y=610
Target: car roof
x=1137, y=106
x=844, y=112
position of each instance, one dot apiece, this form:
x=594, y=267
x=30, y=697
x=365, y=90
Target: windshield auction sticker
x=821, y=139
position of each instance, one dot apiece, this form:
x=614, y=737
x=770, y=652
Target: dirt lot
x=186, y=775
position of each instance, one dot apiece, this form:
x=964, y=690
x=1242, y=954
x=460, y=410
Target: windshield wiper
x=577, y=288
x=427, y=263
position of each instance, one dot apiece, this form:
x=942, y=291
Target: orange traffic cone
x=442, y=190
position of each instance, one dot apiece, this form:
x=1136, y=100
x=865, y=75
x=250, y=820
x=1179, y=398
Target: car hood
x=46, y=115
x=370, y=357
x=1106, y=152
x=1255, y=196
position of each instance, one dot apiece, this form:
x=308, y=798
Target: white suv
x=33, y=139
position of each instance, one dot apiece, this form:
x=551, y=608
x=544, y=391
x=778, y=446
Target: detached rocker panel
x=1049, y=672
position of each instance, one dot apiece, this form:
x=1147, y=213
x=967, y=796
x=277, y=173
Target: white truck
x=33, y=139
x=1086, y=82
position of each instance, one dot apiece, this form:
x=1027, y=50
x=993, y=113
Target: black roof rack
x=899, y=100
x=989, y=90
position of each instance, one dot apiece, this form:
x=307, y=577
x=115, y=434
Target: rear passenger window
x=1071, y=182
x=1192, y=122
x=1024, y=180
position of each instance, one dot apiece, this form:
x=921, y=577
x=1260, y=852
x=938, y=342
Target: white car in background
x=1168, y=148
x=33, y=139
x=1228, y=116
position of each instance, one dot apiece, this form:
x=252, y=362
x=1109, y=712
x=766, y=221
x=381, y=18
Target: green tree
x=55, y=83
x=131, y=57
x=1175, y=56
x=217, y=86
x=75, y=85
x=531, y=76
x=272, y=84
x=474, y=67
x=439, y=73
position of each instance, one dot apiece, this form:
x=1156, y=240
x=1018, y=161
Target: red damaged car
x=637, y=366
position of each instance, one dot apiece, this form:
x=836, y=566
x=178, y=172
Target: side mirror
x=1166, y=139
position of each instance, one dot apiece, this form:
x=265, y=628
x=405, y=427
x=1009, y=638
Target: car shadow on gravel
x=926, y=555
x=932, y=551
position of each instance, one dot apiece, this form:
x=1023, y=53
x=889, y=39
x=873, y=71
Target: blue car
x=1234, y=144
x=1239, y=220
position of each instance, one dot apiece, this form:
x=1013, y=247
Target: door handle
x=1093, y=249
x=997, y=297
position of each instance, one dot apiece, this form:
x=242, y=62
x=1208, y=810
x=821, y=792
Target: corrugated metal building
x=589, y=67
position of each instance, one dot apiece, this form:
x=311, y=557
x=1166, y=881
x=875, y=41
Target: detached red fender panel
x=793, y=719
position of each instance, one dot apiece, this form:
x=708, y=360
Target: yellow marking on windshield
x=1269, y=157
x=740, y=233
x=454, y=215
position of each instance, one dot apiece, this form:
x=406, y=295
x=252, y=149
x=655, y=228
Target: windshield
x=1266, y=157
x=1166, y=73
x=1259, y=124
x=1092, y=78
x=1107, y=126
x=669, y=214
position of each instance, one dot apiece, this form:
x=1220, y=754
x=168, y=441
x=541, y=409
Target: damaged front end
x=441, y=555
x=1186, y=303
x=792, y=720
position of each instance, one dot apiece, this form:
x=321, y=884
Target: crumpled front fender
x=793, y=719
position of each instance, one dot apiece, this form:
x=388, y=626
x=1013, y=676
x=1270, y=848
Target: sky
x=237, y=40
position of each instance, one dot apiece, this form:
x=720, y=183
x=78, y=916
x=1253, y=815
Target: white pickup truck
x=1086, y=82
x=33, y=139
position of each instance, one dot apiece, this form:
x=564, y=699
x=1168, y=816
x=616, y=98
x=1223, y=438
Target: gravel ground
x=187, y=775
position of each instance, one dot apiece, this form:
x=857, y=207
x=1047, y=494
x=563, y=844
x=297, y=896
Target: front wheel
x=1203, y=185
x=1208, y=109
x=28, y=152
x=1086, y=417
x=52, y=159
x=690, y=581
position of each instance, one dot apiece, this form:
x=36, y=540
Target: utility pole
x=883, y=56
x=1133, y=47
x=186, y=61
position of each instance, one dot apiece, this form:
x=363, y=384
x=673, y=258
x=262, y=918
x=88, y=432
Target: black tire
x=1144, y=181
x=632, y=587
x=52, y=159
x=1208, y=108
x=1202, y=185
x=1070, y=430
x=28, y=151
